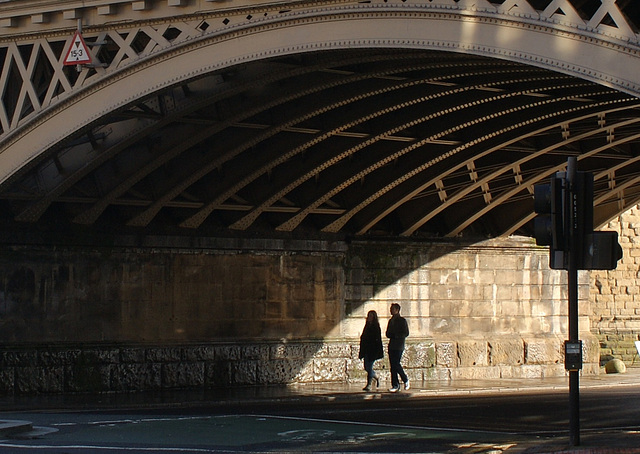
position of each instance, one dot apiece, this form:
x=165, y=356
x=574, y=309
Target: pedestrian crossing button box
x=573, y=355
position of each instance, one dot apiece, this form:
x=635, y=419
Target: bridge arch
x=516, y=38
x=547, y=47
x=534, y=105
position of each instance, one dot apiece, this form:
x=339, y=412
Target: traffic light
x=594, y=250
x=582, y=206
x=601, y=251
x=549, y=229
x=565, y=215
x=549, y=225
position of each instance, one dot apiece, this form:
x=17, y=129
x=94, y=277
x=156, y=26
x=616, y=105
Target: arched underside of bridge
x=324, y=133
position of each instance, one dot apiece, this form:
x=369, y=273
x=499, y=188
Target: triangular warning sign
x=78, y=53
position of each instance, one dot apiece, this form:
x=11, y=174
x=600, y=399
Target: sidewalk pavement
x=476, y=386
x=317, y=392
x=255, y=395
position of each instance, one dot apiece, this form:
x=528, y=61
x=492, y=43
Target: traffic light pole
x=574, y=377
x=565, y=223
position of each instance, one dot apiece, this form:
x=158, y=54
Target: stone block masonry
x=615, y=295
x=43, y=369
x=176, y=314
x=494, y=309
x=110, y=368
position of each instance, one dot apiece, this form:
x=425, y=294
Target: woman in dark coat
x=371, y=348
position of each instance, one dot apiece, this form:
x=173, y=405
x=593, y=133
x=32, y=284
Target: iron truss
x=419, y=143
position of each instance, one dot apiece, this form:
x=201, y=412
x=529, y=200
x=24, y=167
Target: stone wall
x=615, y=298
x=493, y=309
x=172, y=313
x=105, y=368
x=219, y=291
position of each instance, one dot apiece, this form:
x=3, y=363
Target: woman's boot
x=368, y=387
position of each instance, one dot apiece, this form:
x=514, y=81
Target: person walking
x=397, y=332
x=371, y=348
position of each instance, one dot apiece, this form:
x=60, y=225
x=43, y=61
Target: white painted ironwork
x=119, y=46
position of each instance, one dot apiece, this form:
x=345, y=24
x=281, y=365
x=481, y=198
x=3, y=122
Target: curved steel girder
x=612, y=175
x=253, y=215
x=423, y=186
x=622, y=203
x=159, y=42
x=145, y=217
x=588, y=24
x=305, y=200
x=170, y=152
x=297, y=219
x=294, y=221
x=452, y=199
x=600, y=215
x=198, y=218
x=110, y=153
x=34, y=211
x=528, y=185
x=91, y=215
x=195, y=220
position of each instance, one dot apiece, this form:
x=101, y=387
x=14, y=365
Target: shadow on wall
x=264, y=312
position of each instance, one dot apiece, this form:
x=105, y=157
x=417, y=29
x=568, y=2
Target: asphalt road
x=533, y=413
x=528, y=422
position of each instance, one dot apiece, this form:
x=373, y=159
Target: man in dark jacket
x=397, y=331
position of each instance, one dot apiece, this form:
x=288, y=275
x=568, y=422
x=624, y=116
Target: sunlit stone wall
x=492, y=309
x=178, y=313
x=615, y=297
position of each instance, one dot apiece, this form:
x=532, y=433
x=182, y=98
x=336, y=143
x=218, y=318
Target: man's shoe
x=395, y=389
x=407, y=385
